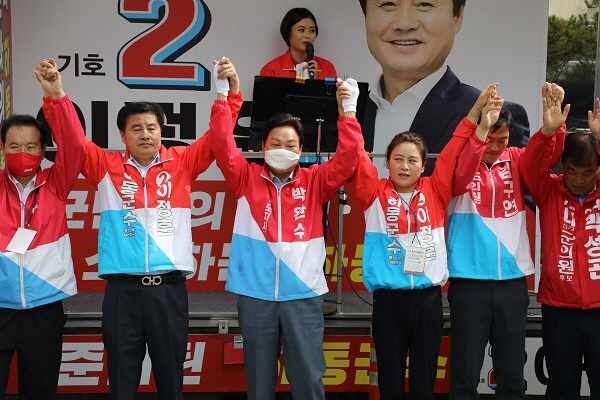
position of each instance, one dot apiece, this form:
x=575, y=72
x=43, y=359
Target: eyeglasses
x=31, y=149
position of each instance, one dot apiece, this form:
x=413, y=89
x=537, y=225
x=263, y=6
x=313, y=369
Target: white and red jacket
x=145, y=223
x=570, y=275
x=277, y=248
x=391, y=227
x=44, y=274
x=487, y=227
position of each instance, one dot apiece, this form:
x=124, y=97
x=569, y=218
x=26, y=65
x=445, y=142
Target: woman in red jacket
x=298, y=28
x=404, y=254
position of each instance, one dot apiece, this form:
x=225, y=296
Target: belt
x=150, y=280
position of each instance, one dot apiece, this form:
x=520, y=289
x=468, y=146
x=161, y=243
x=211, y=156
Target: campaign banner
x=6, y=88
x=536, y=374
x=209, y=358
x=110, y=52
x=114, y=52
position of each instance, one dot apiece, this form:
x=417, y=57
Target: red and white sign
x=6, y=89
x=210, y=358
x=84, y=370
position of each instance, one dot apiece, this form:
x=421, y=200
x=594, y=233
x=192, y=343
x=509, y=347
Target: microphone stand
x=342, y=200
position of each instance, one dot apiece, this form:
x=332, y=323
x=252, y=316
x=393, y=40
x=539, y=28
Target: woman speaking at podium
x=299, y=30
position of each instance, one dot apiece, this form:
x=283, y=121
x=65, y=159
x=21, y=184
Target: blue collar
x=581, y=198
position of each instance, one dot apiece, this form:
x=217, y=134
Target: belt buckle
x=152, y=280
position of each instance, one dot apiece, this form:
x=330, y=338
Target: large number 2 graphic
x=148, y=60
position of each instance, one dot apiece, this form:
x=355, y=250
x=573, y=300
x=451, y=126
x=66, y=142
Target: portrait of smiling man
x=417, y=90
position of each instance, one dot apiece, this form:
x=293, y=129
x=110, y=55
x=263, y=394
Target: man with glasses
x=36, y=270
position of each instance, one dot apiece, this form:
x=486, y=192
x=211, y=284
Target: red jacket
x=488, y=204
x=277, y=248
x=283, y=67
x=145, y=223
x=44, y=274
x=570, y=232
x=390, y=227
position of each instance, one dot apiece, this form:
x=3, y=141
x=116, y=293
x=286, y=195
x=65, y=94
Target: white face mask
x=281, y=159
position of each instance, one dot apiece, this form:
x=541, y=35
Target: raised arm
x=93, y=167
x=594, y=122
x=365, y=178
x=230, y=161
x=445, y=165
x=470, y=157
x=332, y=174
x=226, y=72
x=67, y=132
x=538, y=153
x=468, y=160
x=198, y=156
x=560, y=134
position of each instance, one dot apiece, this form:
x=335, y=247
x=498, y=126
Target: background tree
x=572, y=45
x=571, y=60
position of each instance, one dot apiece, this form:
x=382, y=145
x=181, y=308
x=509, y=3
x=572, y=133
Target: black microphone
x=310, y=55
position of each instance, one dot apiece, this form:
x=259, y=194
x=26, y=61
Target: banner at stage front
x=214, y=363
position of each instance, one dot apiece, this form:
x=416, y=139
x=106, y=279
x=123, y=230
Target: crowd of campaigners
x=466, y=222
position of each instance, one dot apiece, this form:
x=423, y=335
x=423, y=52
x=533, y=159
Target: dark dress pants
x=135, y=316
x=36, y=336
x=407, y=321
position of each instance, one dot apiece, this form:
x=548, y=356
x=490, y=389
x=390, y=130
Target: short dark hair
x=457, y=5
x=283, y=119
x=23, y=120
x=140, y=107
x=505, y=121
x=581, y=148
x=291, y=18
x=408, y=137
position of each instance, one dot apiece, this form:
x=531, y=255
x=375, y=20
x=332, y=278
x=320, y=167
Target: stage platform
x=213, y=313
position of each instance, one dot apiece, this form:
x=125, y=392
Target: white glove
x=300, y=71
x=349, y=105
x=222, y=85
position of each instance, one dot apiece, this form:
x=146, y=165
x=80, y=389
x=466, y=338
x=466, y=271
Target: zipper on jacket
x=22, y=262
x=279, y=234
x=21, y=257
x=278, y=243
x=494, y=221
x=279, y=238
x=143, y=175
x=412, y=277
x=145, y=219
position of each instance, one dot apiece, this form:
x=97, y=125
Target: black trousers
x=36, y=335
x=570, y=334
x=407, y=321
x=135, y=316
x=482, y=311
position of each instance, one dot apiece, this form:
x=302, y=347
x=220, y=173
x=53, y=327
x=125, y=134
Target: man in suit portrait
x=417, y=90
